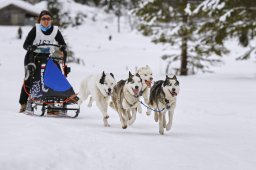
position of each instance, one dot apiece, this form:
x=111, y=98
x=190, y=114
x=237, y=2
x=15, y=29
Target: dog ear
x=112, y=75
x=166, y=81
x=174, y=77
x=137, y=74
x=130, y=77
x=102, y=79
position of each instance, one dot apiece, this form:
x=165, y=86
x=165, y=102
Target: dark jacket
x=32, y=35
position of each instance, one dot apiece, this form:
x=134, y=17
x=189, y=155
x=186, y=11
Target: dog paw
x=161, y=132
x=107, y=125
x=124, y=127
x=168, y=127
x=148, y=113
x=106, y=117
x=130, y=122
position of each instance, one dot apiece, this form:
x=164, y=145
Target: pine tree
x=54, y=8
x=173, y=23
x=97, y=3
x=233, y=18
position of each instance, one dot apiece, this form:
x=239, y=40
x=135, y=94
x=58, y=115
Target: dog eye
x=145, y=74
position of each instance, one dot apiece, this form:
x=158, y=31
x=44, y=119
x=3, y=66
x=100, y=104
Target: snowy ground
x=214, y=123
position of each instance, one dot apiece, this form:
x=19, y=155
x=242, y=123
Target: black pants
x=30, y=58
x=28, y=83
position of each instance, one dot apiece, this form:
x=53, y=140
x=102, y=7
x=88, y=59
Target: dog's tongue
x=148, y=83
x=174, y=94
x=135, y=91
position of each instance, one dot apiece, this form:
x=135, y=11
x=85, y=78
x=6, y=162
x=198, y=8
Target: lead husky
x=147, y=77
x=162, y=99
x=100, y=87
x=125, y=98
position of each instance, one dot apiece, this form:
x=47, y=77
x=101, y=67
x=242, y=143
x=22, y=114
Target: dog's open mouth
x=148, y=83
x=173, y=93
x=136, y=91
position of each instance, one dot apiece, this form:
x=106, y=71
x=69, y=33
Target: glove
x=32, y=48
x=31, y=67
x=63, y=48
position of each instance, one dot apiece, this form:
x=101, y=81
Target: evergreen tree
x=121, y=8
x=54, y=8
x=91, y=2
x=233, y=18
x=172, y=22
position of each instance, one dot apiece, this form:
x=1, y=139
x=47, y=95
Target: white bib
x=41, y=38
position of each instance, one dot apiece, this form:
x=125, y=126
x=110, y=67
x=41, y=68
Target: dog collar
x=128, y=101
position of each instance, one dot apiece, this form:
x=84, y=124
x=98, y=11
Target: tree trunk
x=184, y=62
x=184, y=47
x=118, y=23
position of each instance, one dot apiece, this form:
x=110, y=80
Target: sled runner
x=50, y=89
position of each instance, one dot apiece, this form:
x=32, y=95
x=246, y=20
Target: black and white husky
x=100, y=88
x=125, y=98
x=162, y=99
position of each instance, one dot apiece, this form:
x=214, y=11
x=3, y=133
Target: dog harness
x=130, y=104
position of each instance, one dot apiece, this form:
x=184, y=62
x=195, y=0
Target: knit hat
x=44, y=12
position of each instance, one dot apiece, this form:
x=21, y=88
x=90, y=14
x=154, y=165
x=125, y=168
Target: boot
x=29, y=108
x=22, y=108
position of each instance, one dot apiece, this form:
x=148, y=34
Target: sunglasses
x=46, y=19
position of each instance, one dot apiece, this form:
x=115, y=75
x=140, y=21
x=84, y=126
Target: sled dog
x=125, y=98
x=147, y=77
x=100, y=88
x=162, y=99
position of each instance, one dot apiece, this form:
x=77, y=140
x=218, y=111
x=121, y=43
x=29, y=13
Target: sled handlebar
x=53, y=45
x=54, y=58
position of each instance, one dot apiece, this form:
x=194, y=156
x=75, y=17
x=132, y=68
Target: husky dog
x=125, y=98
x=163, y=98
x=100, y=87
x=147, y=77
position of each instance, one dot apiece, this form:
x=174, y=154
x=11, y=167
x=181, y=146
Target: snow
x=188, y=10
x=24, y=5
x=213, y=128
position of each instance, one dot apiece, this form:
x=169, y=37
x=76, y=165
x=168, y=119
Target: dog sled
x=50, y=90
